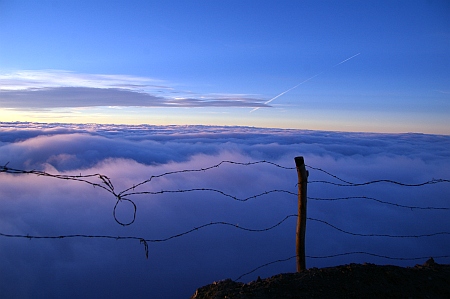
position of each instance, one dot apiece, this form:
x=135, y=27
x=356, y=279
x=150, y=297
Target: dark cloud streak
x=73, y=97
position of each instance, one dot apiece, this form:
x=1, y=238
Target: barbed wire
x=107, y=185
x=341, y=254
x=126, y=191
x=430, y=182
x=243, y=199
x=237, y=226
x=352, y=184
x=379, y=201
x=225, y=224
x=214, y=191
x=328, y=173
x=146, y=241
x=377, y=235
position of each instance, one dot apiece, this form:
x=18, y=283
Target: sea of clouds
x=95, y=267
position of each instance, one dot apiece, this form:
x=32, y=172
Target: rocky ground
x=430, y=280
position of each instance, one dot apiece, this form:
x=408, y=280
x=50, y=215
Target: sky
x=78, y=267
x=136, y=89
x=228, y=63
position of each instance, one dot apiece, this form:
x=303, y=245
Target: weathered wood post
x=301, y=220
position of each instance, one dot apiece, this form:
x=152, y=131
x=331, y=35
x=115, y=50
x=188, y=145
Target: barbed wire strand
x=145, y=241
x=281, y=191
x=121, y=196
x=80, y=178
x=379, y=201
x=108, y=186
x=328, y=173
x=212, y=190
x=377, y=235
x=155, y=240
x=202, y=170
x=350, y=184
x=342, y=254
x=430, y=182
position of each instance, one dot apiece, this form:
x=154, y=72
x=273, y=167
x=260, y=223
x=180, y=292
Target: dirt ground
x=430, y=280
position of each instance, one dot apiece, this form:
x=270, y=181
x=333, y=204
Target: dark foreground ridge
x=430, y=280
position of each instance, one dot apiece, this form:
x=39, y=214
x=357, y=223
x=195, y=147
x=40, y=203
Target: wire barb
x=142, y=241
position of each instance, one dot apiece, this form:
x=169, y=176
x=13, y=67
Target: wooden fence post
x=301, y=220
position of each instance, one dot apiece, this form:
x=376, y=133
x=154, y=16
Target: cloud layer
x=61, y=89
x=131, y=154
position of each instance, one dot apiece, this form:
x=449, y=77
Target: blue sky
x=212, y=62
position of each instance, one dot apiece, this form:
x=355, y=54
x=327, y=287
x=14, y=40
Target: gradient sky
x=212, y=62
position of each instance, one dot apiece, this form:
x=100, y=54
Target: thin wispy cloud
x=32, y=79
x=64, y=89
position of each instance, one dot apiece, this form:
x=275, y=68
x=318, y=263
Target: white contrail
x=279, y=95
x=346, y=60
